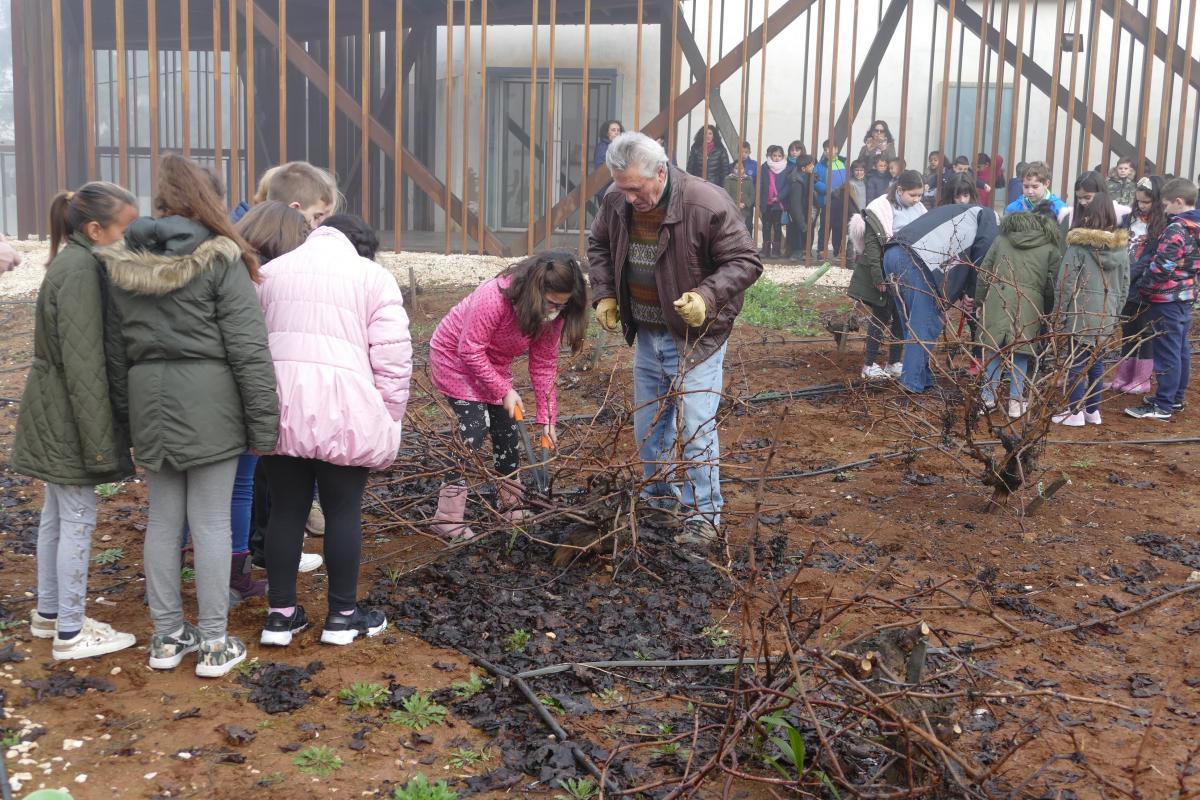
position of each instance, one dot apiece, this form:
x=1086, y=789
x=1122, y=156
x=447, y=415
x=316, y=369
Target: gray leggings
x=200, y=497
x=64, y=545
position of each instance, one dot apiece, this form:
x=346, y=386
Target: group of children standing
x=201, y=347
x=1096, y=266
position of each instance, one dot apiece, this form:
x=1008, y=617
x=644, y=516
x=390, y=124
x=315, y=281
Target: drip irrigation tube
x=662, y=664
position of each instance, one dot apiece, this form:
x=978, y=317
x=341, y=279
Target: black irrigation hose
x=545, y=717
x=660, y=664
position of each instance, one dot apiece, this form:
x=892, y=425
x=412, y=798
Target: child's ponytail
x=99, y=201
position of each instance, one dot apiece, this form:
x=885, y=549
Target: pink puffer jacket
x=343, y=357
x=473, y=349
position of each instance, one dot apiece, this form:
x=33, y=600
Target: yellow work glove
x=607, y=314
x=691, y=308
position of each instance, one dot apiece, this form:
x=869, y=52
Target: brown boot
x=452, y=506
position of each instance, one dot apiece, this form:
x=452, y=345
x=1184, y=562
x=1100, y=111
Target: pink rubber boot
x=448, y=520
x=1121, y=375
x=1143, y=371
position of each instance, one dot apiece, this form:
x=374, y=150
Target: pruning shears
x=537, y=465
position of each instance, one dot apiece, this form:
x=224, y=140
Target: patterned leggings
x=476, y=419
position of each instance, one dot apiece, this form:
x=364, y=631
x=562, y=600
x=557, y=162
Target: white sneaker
x=311, y=561
x=874, y=372
x=1069, y=419
x=96, y=639
x=1092, y=417
x=894, y=370
x=1017, y=408
x=41, y=627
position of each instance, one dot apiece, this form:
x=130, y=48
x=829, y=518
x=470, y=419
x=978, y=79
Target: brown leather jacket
x=703, y=247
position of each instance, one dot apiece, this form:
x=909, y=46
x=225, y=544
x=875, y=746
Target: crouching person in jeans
x=191, y=374
x=669, y=261
x=343, y=362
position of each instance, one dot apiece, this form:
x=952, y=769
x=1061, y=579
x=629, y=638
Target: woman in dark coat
x=709, y=151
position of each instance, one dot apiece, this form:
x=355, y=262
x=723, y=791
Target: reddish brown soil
x=925, y=530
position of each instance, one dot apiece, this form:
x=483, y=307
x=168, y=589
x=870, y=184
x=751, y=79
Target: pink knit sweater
x=473, y=349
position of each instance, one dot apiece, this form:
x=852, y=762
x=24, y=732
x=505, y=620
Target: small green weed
x=717, y=636
x=11, y=738
x=640, y=656
x=419, y=788
x=516, y=641
x=106, y=490
x=248, y=668
x=265, y=724
x=1083, y=463
x=110, y=556
x=668, y=750
x=466, y=757
x=552, y=704
x=611, y=696
x=318, y=760
x=393, y=576
x=419, y=712
x=362, y=695
x=472, y=686
x=791, y=761
x=187, y=574
x=577, y=789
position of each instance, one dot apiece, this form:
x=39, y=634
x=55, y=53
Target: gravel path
x=430, y=269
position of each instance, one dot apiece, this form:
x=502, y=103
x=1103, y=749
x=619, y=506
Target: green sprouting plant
x=640, y=656
x=717, y=636
x=791, y=761
x=516, y=641
x=667, y=750
x=393, y=576
x=248, y=668
x=577, y=789
x=265, y=724
x=465, y=690
x=11, y=738
x=552, y=704
x=106, y=490
x=772, y=305
x=418, y=712
x=110, y=556
x=834, y=633
x=466, y=757
x=187, y=574
x=318, y=760
x=419, y=788
x=1083, y=463
x=362, y=695
x=665, y=728
x=611, y=696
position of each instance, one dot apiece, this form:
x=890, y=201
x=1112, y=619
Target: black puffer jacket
x=718, y=163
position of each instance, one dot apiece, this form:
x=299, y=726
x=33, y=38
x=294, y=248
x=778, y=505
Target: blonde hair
x=301, y=182
x=260, y=193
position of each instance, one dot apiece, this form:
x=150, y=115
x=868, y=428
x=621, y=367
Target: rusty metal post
x=89, y=96
x=851, y=109
x=1054, y=82
x=281, y=53
x=977, y=131
x=533, y=109
x=1016, y=103
x=707, y=83
x=1148, y=73
x=816, y=140
x=448, y=216
x=902, y=134
x=1187, y=82
x=949, y=48
x=331, y=89
x=398, y=134
x=152, y=65
x=762, y=101
x=583, y=136
x=637, y=72
x=672, y=128
x=466, y=102
x=364, y=142
x=60, y=136
x=550, y=152
x=827, y=221
x=999, y=99
x=1088, y=92
x=251, y=122
x=1114, y=63
x=1065, y=170
x=1168, y=92
x=218, y=148
x=235, y=161
x=483, y=34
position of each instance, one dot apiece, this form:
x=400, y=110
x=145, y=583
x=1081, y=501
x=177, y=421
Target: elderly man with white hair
x=669, y=260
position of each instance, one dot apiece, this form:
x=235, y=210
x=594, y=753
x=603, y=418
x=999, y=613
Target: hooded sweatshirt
x=1171, y=274
x=1023, y=203
x=949, y=241
x=1092, y=283
x=1016, y=282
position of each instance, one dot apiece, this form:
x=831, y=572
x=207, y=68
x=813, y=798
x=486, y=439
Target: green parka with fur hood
x=67, y=433
x=1093, y=283
x=187, y=346
x=1015, y=285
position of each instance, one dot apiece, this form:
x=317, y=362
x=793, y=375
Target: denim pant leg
x=916, y=302
x=654, y=367
x=700, y=397
x=242, y=504
x=1087, y=370
x=1170, y=323
x=1021, y=362
x=1185, y=358
x=991, y=383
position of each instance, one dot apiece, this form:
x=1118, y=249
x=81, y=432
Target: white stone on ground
x=432, y=270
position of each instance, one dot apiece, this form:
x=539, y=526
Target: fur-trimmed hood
x=1098, y=239
x=160, y=256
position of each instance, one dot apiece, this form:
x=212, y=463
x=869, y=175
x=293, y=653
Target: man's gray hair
x=635, y=150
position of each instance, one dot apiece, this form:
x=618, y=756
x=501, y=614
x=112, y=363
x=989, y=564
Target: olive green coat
x=868, y=268
x=1092, y=283
x=192, y=372
x=1016, y=282
x=66, y=431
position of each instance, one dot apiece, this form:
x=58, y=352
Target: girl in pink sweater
x=528, y=308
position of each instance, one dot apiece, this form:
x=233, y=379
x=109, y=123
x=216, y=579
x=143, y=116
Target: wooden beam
x=1138, y=24
x=380, y=135
x=698, y=65
x=870, y=67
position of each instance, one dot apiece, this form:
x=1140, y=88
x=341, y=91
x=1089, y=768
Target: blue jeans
x=917, y=302
x=1016, y=376
x=670, y=403
x=242, y=502
x=1170, y=323
x=1085, y=389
